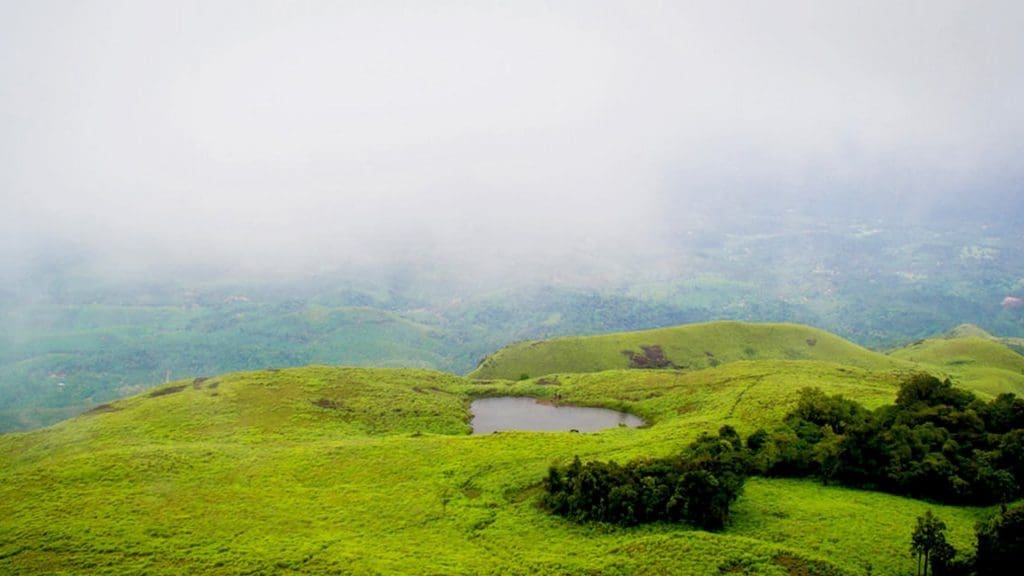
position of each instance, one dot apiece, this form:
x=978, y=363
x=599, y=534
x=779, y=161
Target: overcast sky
x=301, y=134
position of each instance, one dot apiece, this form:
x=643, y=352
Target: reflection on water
x=514, y=413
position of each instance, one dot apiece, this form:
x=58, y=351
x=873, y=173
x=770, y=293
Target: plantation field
x=324, y=470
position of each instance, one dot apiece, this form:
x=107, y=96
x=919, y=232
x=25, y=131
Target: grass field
x=969, y=356
x=985, y=364
x=691, y=346
x=324, y=470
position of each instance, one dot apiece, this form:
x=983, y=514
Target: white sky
x=280, y=134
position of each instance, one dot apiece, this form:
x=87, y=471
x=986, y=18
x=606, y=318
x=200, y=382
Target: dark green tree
x=696, y=486
x=929, y=537
x=1001, y=543
x=936, y=442
x=924, y=390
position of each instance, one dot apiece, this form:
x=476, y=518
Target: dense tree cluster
x=935, y=442
x=696, y=486
x=1001, y=544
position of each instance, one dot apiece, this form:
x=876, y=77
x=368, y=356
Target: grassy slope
x=982, y=364
x=330, y=470
x=106, y=352
x=970, y=330
x=968, y=355
x=691, y=346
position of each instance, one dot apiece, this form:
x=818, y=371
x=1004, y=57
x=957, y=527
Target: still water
x=515, y=413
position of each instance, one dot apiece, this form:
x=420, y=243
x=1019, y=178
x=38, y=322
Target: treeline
x=936, y=442
x=696, y=486
x=1000, y=545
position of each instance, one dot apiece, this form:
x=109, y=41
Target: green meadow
x=692, y=346
x=332, y=470
x=989, y=366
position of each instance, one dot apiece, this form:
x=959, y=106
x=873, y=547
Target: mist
x=493, y=139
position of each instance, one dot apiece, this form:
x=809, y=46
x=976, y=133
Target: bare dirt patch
x=102, y=409
x=166, y=391
x=198, y=382
x=651, y=357
x=325, y=403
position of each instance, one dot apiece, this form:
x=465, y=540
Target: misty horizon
x=194, y=188
x=264, y=139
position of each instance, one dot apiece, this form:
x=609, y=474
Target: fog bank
x=272, y=138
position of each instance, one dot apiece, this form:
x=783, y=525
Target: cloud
x=268, y=135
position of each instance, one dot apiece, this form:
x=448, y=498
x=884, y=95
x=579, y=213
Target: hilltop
x=968, y=355
x=323, y=470
x=981, y=363
x=690, y=347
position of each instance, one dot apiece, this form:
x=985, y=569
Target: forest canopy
x=936, y=441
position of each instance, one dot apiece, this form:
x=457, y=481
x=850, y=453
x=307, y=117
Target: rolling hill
x=969, y=356
x=330, y=470
x=690, y=347
x=61, y=361
x=983, y=364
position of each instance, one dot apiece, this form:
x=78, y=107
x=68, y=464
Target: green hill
x=968, y=331
x=61, y=361
x=692, y=347
x=325, y=470
x=979, y=363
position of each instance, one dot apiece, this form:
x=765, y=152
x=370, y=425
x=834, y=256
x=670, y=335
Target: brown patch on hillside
x=325, y=403
x=812, y=341
x=198, y=382
x=652, y=357
x=548, y=382
x=101, y=409
x=166, y=391
x=430, y=389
